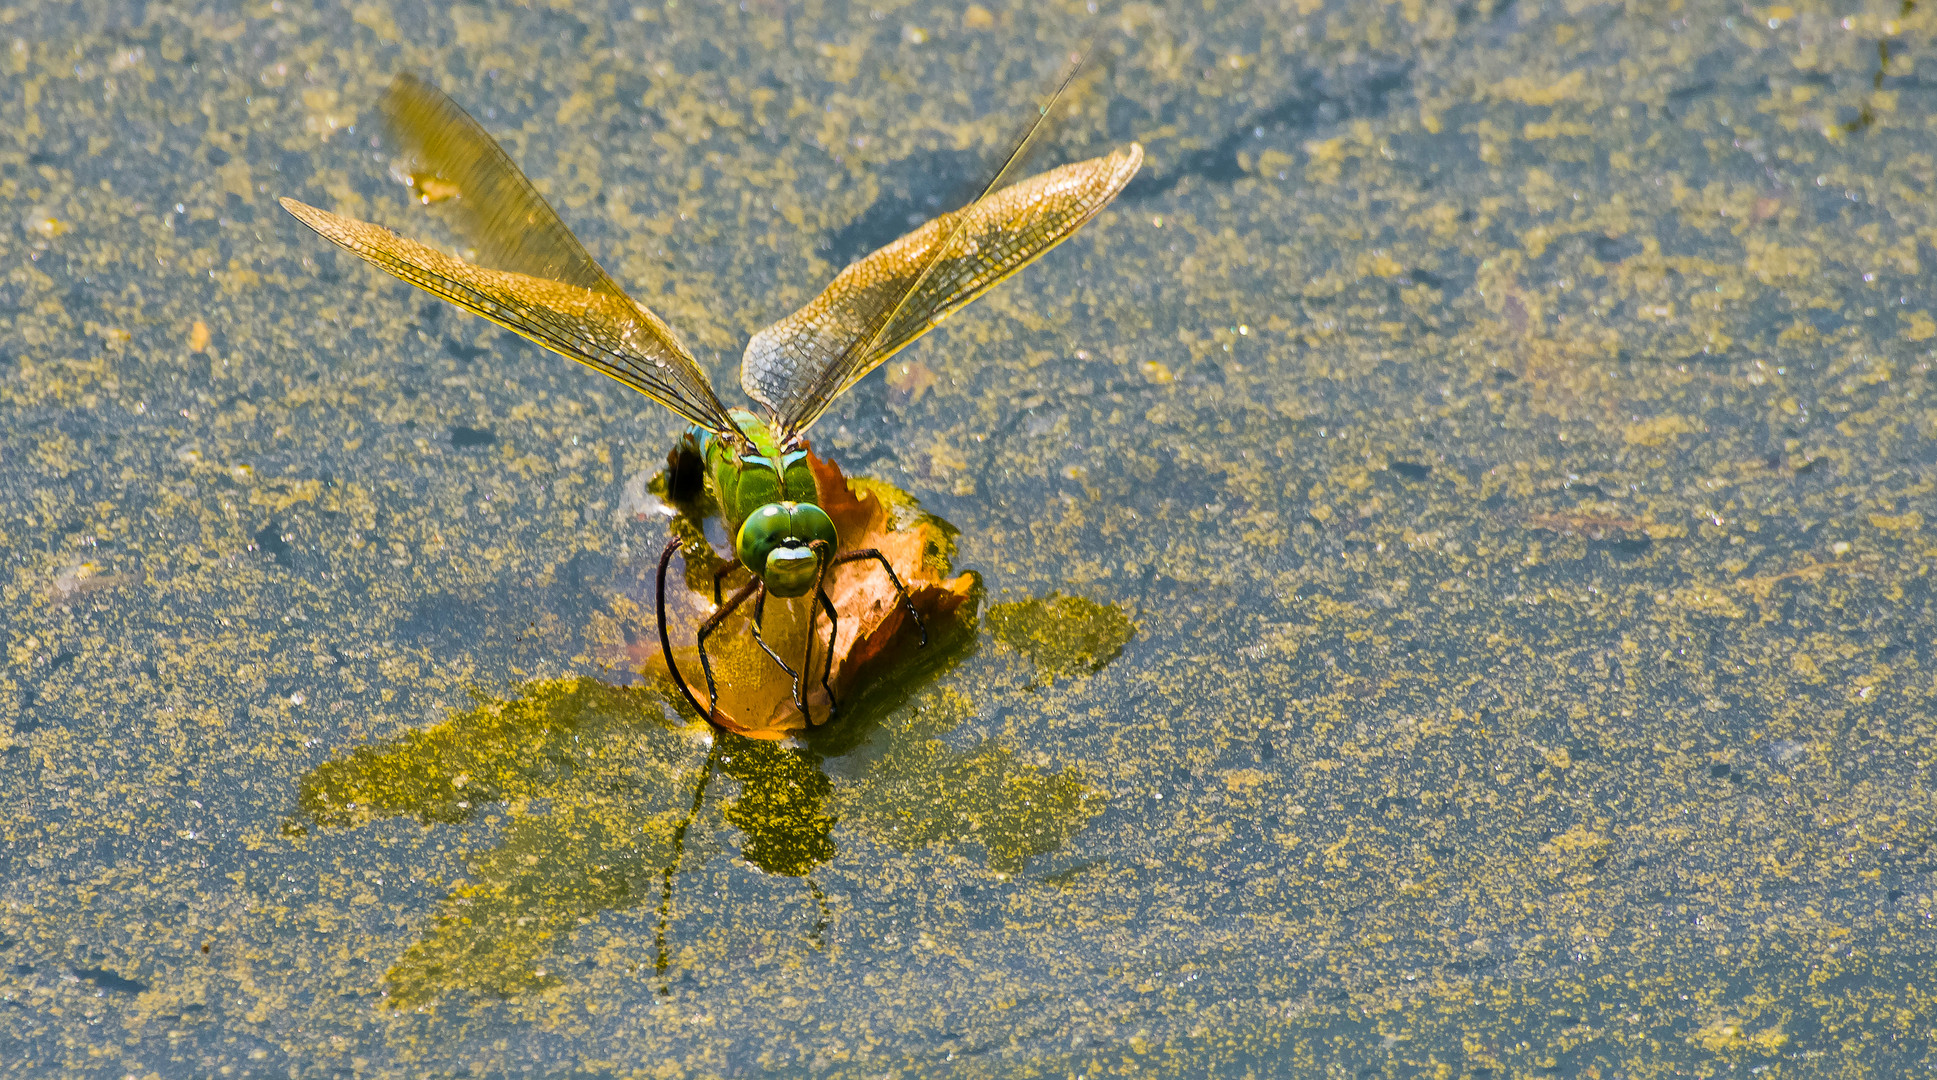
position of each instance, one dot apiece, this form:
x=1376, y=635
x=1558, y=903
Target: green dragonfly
x=530, y=275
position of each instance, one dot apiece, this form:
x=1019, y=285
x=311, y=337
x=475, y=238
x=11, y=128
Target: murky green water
x=1483, y=464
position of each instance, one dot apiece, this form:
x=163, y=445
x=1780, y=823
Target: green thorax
x=756, y=468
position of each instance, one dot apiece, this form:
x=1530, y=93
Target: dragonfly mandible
x=531, y=275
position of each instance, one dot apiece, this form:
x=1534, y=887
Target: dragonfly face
x=779, y=541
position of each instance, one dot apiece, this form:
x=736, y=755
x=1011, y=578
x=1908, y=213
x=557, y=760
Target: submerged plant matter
x=591, y=796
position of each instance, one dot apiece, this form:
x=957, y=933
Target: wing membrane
x=799, y=365
x=530, y=275
x=454, y=164
x=605, y=331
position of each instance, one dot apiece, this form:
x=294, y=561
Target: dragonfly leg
x=665, y=639
x=759, y=614
x=800, y=695
x=822, y=549
x=720, y=575
x=711, y=624
x=900, y=589
x=827, y=668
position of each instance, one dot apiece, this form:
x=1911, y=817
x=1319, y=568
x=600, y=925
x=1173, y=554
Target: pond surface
x=1454, y=541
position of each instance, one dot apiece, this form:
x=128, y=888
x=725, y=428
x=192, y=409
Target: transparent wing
x=454, y=165
x=530, y=273
x=605, y=331
x=799, y=365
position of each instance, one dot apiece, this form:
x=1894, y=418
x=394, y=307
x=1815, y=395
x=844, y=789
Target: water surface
x=1484, y=464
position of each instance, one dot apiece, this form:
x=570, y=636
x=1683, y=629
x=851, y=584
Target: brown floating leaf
x=1601, y=526
x=756, y=696
x=908, y=380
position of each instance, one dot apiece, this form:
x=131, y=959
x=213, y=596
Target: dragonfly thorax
x=769, y=499
x=754, y=467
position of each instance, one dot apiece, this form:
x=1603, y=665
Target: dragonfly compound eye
x=776, y=542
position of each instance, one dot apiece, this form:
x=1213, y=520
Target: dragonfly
x=528, y=273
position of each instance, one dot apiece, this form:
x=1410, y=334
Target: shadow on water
x=933, y=182
x=913, y=190
x=1319, y=99
x=596, y=790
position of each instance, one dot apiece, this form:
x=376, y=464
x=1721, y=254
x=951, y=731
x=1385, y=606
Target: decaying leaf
x=755, y=695
x=908, y=380
x=1603, y=526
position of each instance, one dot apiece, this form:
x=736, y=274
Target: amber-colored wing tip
x=1128, y=160
x=305, y=213
x=372, y=242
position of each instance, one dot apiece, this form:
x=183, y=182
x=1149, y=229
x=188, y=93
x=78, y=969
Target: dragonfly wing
x=454, y=165
x=799, y=365
x=529, y=273
x=604, y=330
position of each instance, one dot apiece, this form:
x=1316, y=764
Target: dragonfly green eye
x=775, y=540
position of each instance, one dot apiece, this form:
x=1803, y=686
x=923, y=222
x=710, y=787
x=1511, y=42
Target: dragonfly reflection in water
x=531, y=275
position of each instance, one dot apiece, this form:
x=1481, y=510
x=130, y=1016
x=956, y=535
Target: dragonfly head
x=777, y=542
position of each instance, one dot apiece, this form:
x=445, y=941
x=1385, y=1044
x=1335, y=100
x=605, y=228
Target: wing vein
x=606, y=332
x=530, y=275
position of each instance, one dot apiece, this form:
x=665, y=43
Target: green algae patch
x=922, y=791
x=1064, y=635
x=781, y=809
x=555, y=868
x=551, y=734
x=588, y=793
x=596, y=786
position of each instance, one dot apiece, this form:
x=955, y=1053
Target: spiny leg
x=720, y=575
x=821, y=562
x=900, y=589
x=799, y=697
x=711, y=624
x=759, y=614
x=833, y=633
x=665, y=639
x=822, y=551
